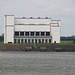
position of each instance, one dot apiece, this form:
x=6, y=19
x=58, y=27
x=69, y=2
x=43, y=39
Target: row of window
x=32, y=33
x=32, y=40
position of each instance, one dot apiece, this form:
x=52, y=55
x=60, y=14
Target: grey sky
x=55, y=9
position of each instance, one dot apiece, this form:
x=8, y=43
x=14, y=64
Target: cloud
x=54, y=8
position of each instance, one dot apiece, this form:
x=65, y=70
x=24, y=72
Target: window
x=28, y=40
x=25, y=40
x=18, y=40
x=54, y=41
x=21, y=33
x=47, y=33
x=39, y=40
x=14, y=40
x=42, y=40
x=21, y=40
x=9, y=42
x=27, y=33
x=32, y=33
x=49, y=40
x=16, y=33
x=45, y=40
x=32, y=40
x=37, y=33
x=42, y=33
x=35, y=40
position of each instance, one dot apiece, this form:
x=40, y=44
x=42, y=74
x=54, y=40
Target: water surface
x=37, y=63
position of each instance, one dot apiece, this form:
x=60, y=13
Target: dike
x=38, y=48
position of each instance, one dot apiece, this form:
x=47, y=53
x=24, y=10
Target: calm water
x=37, y=63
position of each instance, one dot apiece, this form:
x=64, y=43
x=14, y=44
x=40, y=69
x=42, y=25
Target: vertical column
x=19, y=33
x=9, y=29
x=34, y=40
x=44, y=40
x=20, y=40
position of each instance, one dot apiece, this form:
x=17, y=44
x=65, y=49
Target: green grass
x=38, y=44
x=66, y=41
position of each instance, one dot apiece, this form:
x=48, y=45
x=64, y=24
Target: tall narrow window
x=28, y=40
x=18, y=40
x=45, y=40
x=14, y=40
x=39, y=40
x=16, y=33
x=25, y=40
x=49, y=40
x=32, y=40
x=35, y=40
x=42, y=40
x=21, y=40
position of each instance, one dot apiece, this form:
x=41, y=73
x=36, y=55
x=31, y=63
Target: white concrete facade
x=31, y=30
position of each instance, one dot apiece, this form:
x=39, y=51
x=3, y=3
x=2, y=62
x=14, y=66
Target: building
x=31, y=30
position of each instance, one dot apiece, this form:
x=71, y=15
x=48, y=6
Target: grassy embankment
x=38, y=44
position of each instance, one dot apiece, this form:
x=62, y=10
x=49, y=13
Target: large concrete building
x=31, y=30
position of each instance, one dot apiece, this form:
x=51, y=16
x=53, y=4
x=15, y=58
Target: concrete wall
x=9, y=29
x=55, y=33
x=32, y=21
x=32, y=27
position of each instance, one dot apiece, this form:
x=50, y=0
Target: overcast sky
x=55, y=9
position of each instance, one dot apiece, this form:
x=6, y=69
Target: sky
x=63, y=10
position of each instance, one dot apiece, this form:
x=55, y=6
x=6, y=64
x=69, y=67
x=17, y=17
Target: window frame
x=21, y=34
x=32, y=33
x=26, y=33
x=16, y=33
x=47, y=33
x=37, y=33
x=42, y=34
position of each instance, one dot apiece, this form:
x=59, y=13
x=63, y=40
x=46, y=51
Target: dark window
x=45, y=40
x=39, y=40
x=37, y=33
x=35, y=40
x=28, y=40
x=32, y=33
x=25, y=40
x=18, y=40
x=27, y=33
x=21, y=40
x=54, y=41
x=49, y=40
x=14, y=40
x=21, y=33
x=16, y=33
x=42, y=33
x=32, y=40
x=42, y=40
x=9, y=42
x=47, y=33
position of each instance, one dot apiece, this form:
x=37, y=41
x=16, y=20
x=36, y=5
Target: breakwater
x=42, y=48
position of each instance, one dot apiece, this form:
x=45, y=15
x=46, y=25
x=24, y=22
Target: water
x=37, y=63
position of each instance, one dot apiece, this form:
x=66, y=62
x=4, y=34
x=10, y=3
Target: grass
x=38, y=44
x=66, y=41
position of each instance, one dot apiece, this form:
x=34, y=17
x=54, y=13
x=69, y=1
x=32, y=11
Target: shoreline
x=38, y=48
